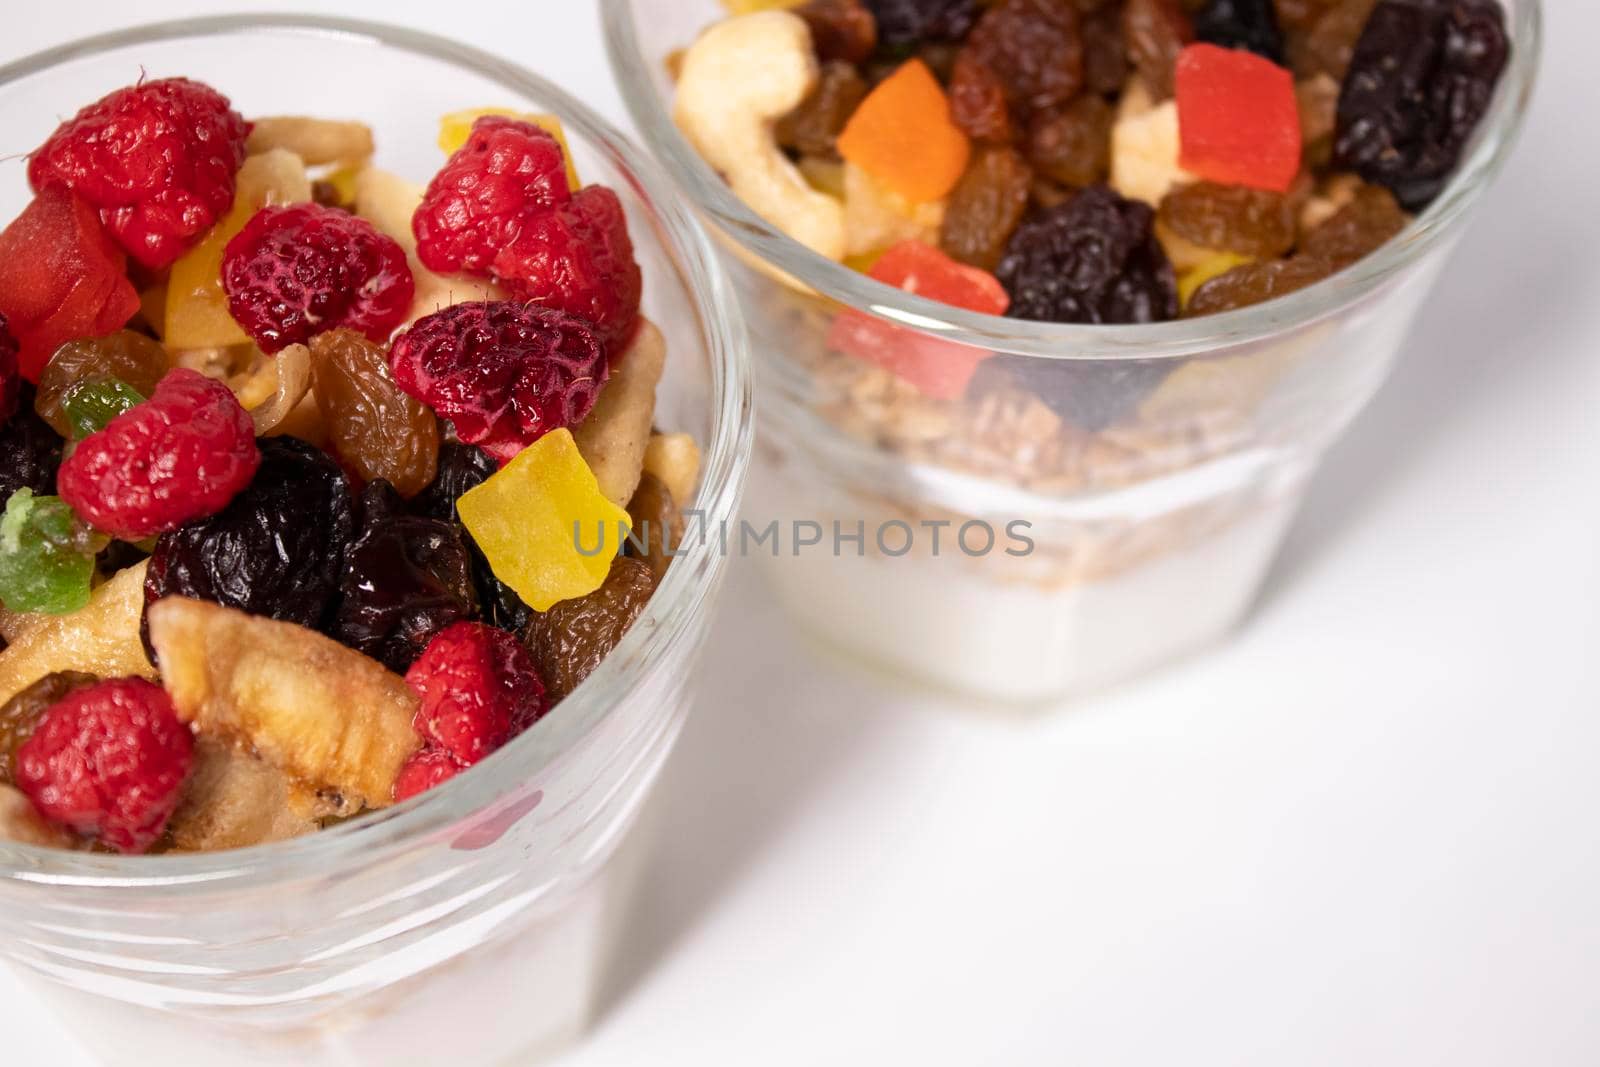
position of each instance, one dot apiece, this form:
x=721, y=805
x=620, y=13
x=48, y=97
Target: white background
x=1365, y=831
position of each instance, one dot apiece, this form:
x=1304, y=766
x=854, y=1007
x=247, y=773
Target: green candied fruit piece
x=91, y=405
x=46, y=555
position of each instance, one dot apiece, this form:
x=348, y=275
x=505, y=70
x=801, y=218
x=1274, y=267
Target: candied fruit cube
x=1238, y=118
x=531, y=517
x=46, y=555
x=197, y=308
x=903, y=135
x=455, y=127
x=938, y=368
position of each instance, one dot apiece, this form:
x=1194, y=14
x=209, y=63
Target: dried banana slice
x=233, y=799
x=613, y=438
x=102, y=638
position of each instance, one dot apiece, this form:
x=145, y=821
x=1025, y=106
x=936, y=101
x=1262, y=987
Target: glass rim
x=1178, y=338
x=654, y=637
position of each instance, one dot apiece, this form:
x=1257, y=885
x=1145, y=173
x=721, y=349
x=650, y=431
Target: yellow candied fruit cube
x=343, y=181
x=543, y=524
x=454, y=128
x=197, y=309
x=1195, y=277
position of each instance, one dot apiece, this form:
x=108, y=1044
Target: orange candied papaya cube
x=902, y=134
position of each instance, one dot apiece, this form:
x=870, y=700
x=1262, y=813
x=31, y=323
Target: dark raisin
x=119, y=556
x=1090, y=394
x=1091, y=259
x=1255, y=283
x=406, y=577
x=1357, y=229
x=1252, y=222
x=463, y=467
x=657, y=524
x=1035, y=47
x=985, y=207
x=813, y=128
x=1072, y=145
x=1248, y=24
x=571, y=639
x=1420, y=80
x=904, y=24
x=1325, y=47
x=20, y=714
x=1105, y=55
x=1156, y=31
x=841, y=30
x=277, y=549
x=30, y=451
x=978, y=101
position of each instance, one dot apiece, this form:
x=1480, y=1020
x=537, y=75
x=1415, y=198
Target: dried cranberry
x=479, y=689
x=1420, y=81
x=1248, y=24
x=503, y=372
x=904, y=24
x=579, y=259
x=30, y=451
x=108, y=761
x=463, y=467
x=405, y=579
x=277, y=549
x=299, y=270
x=1090, y=259
x=506, y=173
x=158, y=160
x=181, y=455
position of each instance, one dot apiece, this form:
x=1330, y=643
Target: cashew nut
x=613, y=437
x=675, y=459
x=738, y=79
x=1144, y=154
x=316, y=141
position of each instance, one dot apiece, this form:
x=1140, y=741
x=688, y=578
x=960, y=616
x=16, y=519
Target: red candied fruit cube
x=61, y=278
x=1238, y=122
x=938, y=368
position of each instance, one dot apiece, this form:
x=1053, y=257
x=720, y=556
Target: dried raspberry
x=179, y=456
x=508, y=172
x=10, y=371
x=296, y=271
x=579, y=259
x=108, y=761
x=504, y=373
x=158, y=160
x=424, y=770
x=479, y=689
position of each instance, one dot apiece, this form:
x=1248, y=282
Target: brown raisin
x=813, y=128
x=1329, y=41
x=1156, y=31
x=978, y=101
x=1233, y=218
x=20, y=714
x=377, y=430
x=129, y=357
x=657, y=524
x=1254, y=283
x=986, y=206
x=1105, y=54
x=1035, y=47
x=1356, y=230
x=841, y=30
x=1298, y=14
x=1072, y=145
x=569, y=641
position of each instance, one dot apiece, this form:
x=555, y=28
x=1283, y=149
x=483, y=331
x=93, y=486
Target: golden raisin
x=978, y=101
x=841, y=30
x=127, y=356
x=1155, y=32
x=376, y=429
x=986, y=206
x=1072, y=145
x=1330, y=40
x=1233, y=218
x=812, y=129
x=657, y=524
x=1356, y=230
x=1254, y=283
x=569, y=641
x=20, y=714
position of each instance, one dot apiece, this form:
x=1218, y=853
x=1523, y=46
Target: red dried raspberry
x=504, y=373
x=479, y=689
x=424, y=770
x=158, y=159
x=181, y=455
x=296, y=271
x=10, y=371
x=507, y=173
x=579, y=258
x=108, y=760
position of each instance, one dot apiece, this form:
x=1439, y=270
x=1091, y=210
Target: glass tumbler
x=471, y=924
x=1007, y=547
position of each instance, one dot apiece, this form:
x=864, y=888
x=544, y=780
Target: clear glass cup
x=1148, y=516
x=471, y=924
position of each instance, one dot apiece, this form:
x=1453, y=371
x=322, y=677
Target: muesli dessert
x=315, y=480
